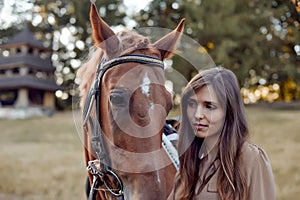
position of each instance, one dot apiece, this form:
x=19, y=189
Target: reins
x=92, y=103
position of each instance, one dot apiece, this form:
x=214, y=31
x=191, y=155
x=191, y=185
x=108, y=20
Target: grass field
x=43, y=158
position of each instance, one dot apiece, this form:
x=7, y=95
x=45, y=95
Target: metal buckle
x=109, y=179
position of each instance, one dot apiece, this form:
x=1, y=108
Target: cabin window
x=8, y=97
x=16, y=70
x=30, y=51
x=36, y=97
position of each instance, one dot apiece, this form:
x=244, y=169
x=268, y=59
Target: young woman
x=216, y=159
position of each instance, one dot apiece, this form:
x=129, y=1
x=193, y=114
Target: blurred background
x=42, y=157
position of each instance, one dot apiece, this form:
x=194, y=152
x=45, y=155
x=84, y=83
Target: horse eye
x=117, y=99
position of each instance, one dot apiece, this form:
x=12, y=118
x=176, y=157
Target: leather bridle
x=92, y=103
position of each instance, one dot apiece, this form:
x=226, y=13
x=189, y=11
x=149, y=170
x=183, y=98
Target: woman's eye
x=210, y=106
x=117, y=99
x=192, y=103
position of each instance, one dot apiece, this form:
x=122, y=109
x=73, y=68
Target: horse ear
x=104, y=37
x=167, y=44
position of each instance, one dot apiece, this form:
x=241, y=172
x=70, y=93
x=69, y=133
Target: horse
x=124, y=106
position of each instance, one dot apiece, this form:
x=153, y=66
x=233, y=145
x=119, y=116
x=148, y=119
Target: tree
x=70, y=34
x=255, y=39
x=65, y=26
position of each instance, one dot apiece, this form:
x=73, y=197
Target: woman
x=216, y=159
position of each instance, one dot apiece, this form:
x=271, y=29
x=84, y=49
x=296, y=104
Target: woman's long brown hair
x=231, y=182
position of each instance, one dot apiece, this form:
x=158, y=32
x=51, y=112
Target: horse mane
x=130, y=41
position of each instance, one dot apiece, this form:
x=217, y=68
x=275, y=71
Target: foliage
x=256, y=39
x=72, y=17
x=65, y=26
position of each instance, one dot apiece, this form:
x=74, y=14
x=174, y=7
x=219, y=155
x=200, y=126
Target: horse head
x=132, y=106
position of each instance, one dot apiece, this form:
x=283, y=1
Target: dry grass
x=278, y=132
x=43, y=158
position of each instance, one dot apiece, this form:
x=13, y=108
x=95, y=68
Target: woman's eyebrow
x=192, y=98
x=211, y=102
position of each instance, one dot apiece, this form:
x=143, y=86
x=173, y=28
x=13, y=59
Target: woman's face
x=205, y=113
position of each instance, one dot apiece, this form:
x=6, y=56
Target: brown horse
x=130, y=111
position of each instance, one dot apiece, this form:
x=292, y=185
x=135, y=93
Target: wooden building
x=27, y=85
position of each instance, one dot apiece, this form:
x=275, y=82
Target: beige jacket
x=259, y=175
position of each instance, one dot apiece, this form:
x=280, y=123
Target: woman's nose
x=199, y=114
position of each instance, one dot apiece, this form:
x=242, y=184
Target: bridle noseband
x=98, y=143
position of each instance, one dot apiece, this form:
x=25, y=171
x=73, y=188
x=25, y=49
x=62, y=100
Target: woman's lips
x=200, y=127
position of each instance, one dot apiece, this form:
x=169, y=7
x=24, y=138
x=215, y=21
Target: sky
x=6, y=19
x=136, y=5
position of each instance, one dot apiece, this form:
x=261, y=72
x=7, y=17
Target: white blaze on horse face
x=146, y=85
x=146, y=88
